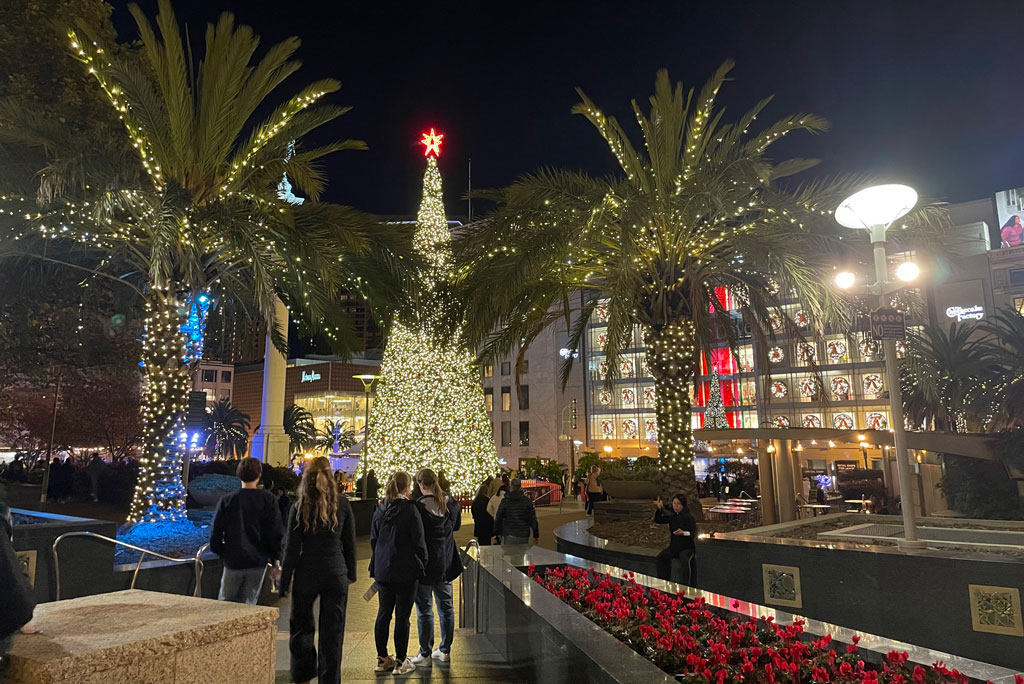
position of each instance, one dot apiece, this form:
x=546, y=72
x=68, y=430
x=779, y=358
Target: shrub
x=980, y=489
x=117, y=483
x=280, y=476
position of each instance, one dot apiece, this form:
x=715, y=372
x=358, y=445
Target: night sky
x=926, y=93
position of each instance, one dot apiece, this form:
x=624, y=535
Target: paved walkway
x=473, y=661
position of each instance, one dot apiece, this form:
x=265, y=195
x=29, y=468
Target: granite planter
x=637, y=490
x=86, y=564
x=551, y=642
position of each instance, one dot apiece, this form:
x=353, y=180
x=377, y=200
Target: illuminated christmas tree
x=714, y=413
x=429, y=410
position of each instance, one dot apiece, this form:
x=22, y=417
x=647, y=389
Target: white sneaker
x=443, y=657
x=421, y=660
x=405, y=668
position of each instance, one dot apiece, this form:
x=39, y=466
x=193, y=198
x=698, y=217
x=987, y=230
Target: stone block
x=141, y=637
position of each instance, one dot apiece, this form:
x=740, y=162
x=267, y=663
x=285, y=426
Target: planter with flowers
x=701, y=644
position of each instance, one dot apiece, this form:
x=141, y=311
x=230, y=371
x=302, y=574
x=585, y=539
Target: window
x=225, y=395
x=1016, y=276
x=506, y=433
x=506, y=368
x=489, y=398
x=1018, y=305
x=506, y=398
x=526, y=367
x=209, y=376
x=524, y=397
x=524, y=433
x=488, y=370
x=225, y=376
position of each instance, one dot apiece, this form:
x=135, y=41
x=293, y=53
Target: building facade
x=216, y=379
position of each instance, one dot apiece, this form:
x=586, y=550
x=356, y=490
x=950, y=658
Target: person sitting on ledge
x=682, y=543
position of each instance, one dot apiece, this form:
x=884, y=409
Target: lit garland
x=429, y=409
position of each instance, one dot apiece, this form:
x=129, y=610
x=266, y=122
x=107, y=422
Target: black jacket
x=483, y=522
x=438, y=531
x=247, y=529
x=516, y=516
x=17, y=600
x=320, y=549
x=398, y=549
x=678, y=521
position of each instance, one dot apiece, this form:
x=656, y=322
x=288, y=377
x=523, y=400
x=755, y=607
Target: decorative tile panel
x=782, y=585
x=27, y=564
x=996, y=610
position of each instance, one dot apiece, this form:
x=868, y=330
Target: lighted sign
x=824, y=481
x=311, y=376
x=432, y=143
x=962, y=313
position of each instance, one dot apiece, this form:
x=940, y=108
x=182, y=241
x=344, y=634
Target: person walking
x=595, y=491
x=246, y=534
x=442, y=517
x=682, y=543
x=398, y=559
x=319, y=562
x=498, y=491
x=483, y=522
x=94, y=470
x=516, y=517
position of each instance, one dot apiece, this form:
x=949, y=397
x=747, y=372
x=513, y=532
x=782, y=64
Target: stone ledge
x=140, y=636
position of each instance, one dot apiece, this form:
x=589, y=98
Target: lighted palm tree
x=335, y=432
x=694, y=212
x=300, y=428
x=227, y=435
x=1006, y=347
x=945, y=378
x=206, y=218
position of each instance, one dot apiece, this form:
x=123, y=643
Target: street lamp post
x=367, y=379
x=875, y=209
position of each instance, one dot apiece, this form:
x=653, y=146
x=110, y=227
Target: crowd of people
x=310, y=553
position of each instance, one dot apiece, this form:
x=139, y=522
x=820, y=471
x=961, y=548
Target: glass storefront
x=349, y=408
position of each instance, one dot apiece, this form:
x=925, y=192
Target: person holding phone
x=682, y=540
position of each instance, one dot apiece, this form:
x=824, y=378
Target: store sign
x=311, y=376
x=845, y=466
x=962, y=313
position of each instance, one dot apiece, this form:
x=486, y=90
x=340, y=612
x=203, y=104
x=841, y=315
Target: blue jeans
x=442, y=593
x=241, y=586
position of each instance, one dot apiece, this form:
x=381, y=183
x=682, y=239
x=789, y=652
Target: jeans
x=509, y=540
x=397, y=598
x=442, y=593
x=242, y=586
x=332, y=588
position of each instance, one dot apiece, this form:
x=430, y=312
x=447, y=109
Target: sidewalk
x=474, y=660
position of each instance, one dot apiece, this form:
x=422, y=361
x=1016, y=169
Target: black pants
x=332, y=588
x=664, y=561
x=397, y=598
x=592, y=498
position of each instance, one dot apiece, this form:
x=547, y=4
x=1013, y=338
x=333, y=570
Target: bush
x=858, y=489
x=208, y=489
x=980, y=489
x=860, y=474
x=280, y=476
x=117, y=483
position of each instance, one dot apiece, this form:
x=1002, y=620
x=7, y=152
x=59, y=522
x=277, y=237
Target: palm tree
x=205, y=218
x=695, y=211
x=300, y=428
x=227, y=434
x=1006, y=348
x=335, y=431
x=945, y=378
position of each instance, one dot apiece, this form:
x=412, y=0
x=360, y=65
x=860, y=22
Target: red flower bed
x=689, y=639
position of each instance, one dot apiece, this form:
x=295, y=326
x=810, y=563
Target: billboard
x=1009, y=231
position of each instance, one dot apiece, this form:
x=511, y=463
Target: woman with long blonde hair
x=398, y=559
x=320, y=553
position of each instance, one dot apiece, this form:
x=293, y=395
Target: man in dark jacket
x=16, y=599
x=682, y=540
x=247, y=533
x=516, y=517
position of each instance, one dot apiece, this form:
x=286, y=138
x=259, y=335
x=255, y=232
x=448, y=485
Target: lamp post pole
x=892, y=376
x=367, y=380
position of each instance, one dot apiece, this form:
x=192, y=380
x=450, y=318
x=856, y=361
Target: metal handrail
x=196, y=560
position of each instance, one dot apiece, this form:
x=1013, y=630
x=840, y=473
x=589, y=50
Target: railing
x=195, y=560
x=476, y=589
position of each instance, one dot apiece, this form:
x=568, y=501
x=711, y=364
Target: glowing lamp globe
x=845, y=280
x=876, y=206
x=907, y=271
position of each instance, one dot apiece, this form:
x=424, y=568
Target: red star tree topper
x=432, y=143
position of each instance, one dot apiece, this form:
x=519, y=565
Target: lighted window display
x=843, y=421
x=348, y=408
x=836, y=351
x=808, y=388
x=872, y=385
x=806, y=352
x=812, y=421
x=748, y=392
x=876, y=420
x=868, y=348
x=745, y=359
x=506, y=398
